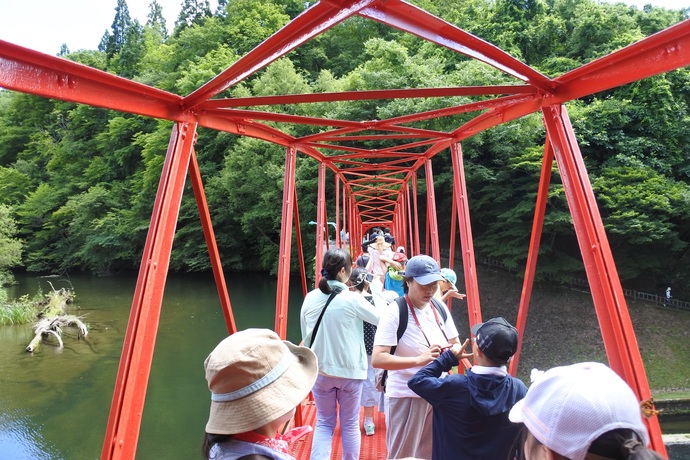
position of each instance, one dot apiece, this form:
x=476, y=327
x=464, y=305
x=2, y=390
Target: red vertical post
x=298, y=419
x=469, y=265
x=320, y=219
x=346, y=222
x=410, y=221
x=338, y=243
x=298, y=242
x=533, y=254
x=415, y=216
x=283, y=287
x=209, y=235
x=127, y=407
x=451, y=244
x=607, y=293
x=431, y=213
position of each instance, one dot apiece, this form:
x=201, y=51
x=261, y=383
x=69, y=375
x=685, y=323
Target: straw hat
x=255, y=378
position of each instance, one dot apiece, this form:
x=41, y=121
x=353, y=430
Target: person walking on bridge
x=332, y=322
x=427, y=329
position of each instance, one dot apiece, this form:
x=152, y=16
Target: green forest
x=77, y=183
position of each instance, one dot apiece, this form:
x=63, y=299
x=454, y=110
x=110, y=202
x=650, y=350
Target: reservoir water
x=54, y=404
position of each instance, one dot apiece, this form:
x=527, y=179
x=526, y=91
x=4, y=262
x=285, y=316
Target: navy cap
x=496, y=338
x=423, y=269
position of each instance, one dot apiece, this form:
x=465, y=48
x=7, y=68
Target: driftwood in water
x=53, y=319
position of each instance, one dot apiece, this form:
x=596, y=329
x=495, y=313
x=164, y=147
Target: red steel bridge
x=374, y=186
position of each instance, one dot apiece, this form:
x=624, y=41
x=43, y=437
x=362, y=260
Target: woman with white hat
x=256, y=381
x=583, y=411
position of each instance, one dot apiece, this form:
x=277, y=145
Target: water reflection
x=20, y=439
x=55, y=404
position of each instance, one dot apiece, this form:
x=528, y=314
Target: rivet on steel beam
x=71, y=82
x=241, y=128
x=61, y=80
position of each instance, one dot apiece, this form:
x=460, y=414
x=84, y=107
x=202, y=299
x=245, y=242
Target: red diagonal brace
x=607, y=293
x=127, y=406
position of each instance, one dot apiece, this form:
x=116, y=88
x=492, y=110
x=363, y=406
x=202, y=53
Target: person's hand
x=455, y=294
x=462, y=351
x=428, y=354
x=397, y=265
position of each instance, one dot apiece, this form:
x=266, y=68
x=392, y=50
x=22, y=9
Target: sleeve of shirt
x=387, y=330
x=427, y=382
x=365, y=310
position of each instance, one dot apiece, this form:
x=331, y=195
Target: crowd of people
x=378, y=336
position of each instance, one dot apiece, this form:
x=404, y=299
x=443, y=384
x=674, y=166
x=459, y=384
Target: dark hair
x=358, y=278
x=618, y=444
x=333, y=261
x=622, y=443
x=211, y=439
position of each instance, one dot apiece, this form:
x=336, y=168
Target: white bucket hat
x=569, y=407
x=255, y=378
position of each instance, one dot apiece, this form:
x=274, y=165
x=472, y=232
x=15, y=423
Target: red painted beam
x=533, y=252
x=211, y=244
x=317, y=19
x=127, y=407
x=28, y=71
x=432, y=220
x=253, y=101
x=289, y=193
x=466, y=241
x=607, y=293
x=664, y=51
x=414, y=20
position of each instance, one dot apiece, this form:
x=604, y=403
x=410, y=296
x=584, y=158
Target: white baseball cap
x=569, y=407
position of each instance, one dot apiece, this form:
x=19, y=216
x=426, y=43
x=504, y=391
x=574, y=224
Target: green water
x=54, y=404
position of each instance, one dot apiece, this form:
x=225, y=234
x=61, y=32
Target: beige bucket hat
x=255, y=378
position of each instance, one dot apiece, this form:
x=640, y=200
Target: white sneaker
x=369, y=427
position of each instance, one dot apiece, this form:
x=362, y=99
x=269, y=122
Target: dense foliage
x=80, y=181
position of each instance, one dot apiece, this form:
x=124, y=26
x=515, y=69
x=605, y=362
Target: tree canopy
x=80, y=181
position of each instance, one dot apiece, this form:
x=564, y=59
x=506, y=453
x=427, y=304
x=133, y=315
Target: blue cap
x=423, y=269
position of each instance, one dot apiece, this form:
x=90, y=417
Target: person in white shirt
x=335, y=332
x=409, y=417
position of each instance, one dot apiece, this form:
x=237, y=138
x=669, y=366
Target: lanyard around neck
x=414, y=315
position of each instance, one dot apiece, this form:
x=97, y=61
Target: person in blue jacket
x=470, y=412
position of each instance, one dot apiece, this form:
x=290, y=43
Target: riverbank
x=562, y=328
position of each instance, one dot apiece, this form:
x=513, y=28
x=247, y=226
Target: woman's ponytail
x=333, y=261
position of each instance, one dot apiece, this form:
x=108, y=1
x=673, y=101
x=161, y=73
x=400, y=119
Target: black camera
x=369, y=278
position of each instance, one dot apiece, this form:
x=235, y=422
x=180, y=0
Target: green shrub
x=18, y=312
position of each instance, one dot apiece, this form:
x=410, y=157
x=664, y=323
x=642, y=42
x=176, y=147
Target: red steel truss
x=379, y=187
